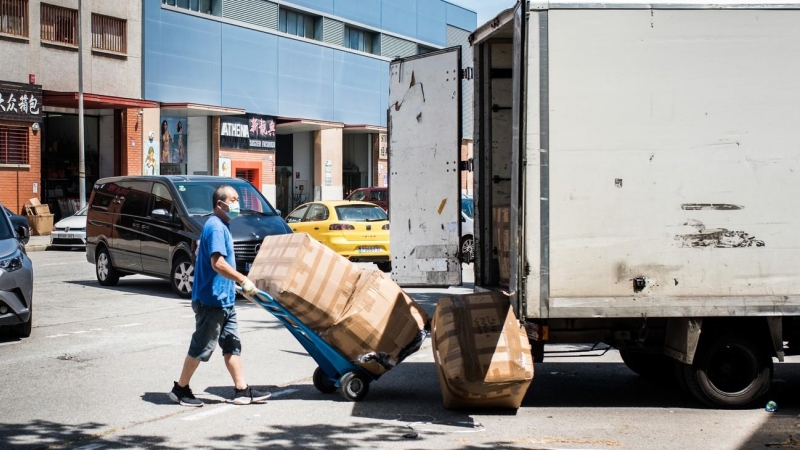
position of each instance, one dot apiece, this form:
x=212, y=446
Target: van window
x=162, y=199
x=103, y=196
x=134, y=197
x=196, y=196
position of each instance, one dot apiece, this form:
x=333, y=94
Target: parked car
x=71, y=231
x=16, y=280
x=18, y=221
x=467, y=230
x=359, y=231
x=376, y=195
x=150, y=225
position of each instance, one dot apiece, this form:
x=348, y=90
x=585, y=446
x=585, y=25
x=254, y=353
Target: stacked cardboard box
x=482, y=353
x=39, y=217
x=501, y=224
x=363, y=314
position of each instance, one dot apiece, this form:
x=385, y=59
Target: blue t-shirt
x=211, y=288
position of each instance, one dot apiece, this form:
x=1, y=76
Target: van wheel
x=729, y=372
x=182, y=276
x=467, y=249
x=107, y=275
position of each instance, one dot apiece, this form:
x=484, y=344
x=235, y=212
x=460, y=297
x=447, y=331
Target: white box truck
x=646, y=158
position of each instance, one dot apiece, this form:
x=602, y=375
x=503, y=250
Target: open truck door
x=424, y=128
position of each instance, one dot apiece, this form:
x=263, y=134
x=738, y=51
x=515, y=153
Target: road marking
x=128, y=325
x=283, y=392
x=9, y=343
x=227, y=407
x=56, y=264
x=211, y=412
x=58, y=335
x=91, y=447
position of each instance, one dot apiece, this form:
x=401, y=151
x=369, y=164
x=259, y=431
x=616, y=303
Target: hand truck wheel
x=322, y=382
x=354, y=386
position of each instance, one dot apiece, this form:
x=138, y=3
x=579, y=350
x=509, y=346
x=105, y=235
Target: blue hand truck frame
x=335, y=372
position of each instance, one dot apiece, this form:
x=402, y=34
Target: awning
x=301, y=126
x=92, y=101
x=363, y=129
x=198, y=110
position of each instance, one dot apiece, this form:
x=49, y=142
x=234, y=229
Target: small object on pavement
x=771, y=406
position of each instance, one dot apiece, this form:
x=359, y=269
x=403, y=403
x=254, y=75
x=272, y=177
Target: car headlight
x=11, y=263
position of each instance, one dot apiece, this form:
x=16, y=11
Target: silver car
x=70, y=231
x=16, y=281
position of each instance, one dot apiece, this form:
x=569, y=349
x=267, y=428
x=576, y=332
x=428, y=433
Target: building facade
x=291, y=95
x=39, y=97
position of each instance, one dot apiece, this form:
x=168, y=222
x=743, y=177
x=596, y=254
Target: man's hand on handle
x=249, y=288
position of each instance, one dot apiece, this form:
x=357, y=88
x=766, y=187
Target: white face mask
x=233, y=210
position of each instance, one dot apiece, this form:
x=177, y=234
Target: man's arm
x=223, y=268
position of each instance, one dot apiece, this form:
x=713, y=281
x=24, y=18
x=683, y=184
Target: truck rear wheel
x=654, y=367
x=729, y=372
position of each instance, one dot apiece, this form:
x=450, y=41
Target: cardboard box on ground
x=39, y=217
x=482, y=352
x=363, y=314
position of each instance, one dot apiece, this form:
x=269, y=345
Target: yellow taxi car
x=359, y=231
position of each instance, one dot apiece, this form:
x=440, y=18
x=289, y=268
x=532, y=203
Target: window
x=358, y=39
x=203, y=6
x=162, y=199
x=13, y=145
x=297, y=24
x=133, y=196
x=109, y=33
x=360, y=213
x=377, y=195
x=297, y=214
x=59, y=24
x=423, y=49
x=14, y=17
x=317, y=213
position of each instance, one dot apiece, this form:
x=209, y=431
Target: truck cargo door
x=424, y=130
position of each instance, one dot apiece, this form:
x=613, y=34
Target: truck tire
x=653, y=367
x=729, y=372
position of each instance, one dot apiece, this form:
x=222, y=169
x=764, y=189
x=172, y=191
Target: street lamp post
x=81, y=156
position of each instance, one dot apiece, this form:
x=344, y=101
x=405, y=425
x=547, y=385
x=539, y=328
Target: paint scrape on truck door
x=424, y=156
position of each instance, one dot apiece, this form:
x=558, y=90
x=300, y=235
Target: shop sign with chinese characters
x=22, y=102
x=251, y=132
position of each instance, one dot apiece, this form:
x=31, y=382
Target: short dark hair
x=220, y=193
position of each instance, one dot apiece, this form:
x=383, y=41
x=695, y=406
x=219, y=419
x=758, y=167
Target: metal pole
x=81, y=159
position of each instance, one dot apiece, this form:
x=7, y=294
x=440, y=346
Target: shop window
x=109, y=33
x=292, y=22
x=14, y=17
x=13, y=145
x=59, y=24
x=360, y=40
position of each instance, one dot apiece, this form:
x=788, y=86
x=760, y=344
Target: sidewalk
x=37, y=243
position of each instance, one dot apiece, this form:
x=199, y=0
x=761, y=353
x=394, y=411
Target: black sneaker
x=184, y=396
x=249, y=395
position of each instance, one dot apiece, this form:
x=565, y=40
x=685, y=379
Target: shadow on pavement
x=781, y=429
x=43, y=434
x=154, y=287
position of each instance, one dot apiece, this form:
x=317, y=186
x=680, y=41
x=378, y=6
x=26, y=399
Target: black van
x=150, y=225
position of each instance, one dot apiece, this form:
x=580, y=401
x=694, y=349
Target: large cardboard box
x=501, y=224
x=482, y=353
x=308, y=278
x=41, y=224
x=381, y=325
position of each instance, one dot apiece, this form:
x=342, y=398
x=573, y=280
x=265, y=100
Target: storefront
x=20, y=141
x=247, y=149
x=112, y=144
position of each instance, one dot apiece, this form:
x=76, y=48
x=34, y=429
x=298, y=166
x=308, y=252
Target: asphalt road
x=96, y=372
